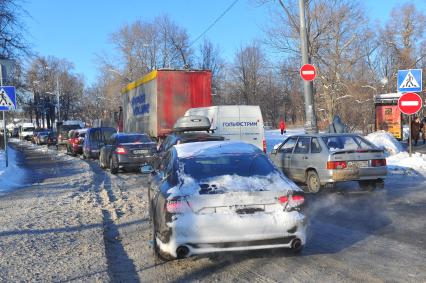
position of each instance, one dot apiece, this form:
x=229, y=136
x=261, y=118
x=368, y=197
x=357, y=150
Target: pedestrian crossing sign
x=410, y=80
x=7, y=98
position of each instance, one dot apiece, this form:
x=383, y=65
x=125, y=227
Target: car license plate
x=358, y=164
x=140, y=151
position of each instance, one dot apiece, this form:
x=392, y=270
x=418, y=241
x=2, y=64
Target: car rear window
x=201, y=168
x=335, y=143
x=133, y=139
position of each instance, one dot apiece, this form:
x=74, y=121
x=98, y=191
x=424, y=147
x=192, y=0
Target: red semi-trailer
x=153, y=103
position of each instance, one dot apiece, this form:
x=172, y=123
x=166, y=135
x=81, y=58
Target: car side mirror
x=274, y=151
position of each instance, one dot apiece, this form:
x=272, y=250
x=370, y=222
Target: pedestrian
x=282, y=126
x=424, y=130
x=415, y=129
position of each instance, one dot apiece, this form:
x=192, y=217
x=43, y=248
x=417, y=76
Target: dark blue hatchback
x=95, y=139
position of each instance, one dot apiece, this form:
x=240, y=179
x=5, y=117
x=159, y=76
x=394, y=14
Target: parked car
x=127, y=152
x=325, y=159
x=41, y=137
x=96, y=138
x=26, y=131
x=33, y=138
x=64, y=128
x=75, y=141
x=223, y=196
x=186, y=129
x=14, y=133
x=52, y=139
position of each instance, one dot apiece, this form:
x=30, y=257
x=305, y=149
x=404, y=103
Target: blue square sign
x=7, y=98
x=410, y=80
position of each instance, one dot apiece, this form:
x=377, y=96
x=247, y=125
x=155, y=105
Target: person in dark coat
x=415, y=129
x=423, y=130
x=282, y=126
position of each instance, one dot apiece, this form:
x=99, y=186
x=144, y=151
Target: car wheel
x=367, y=185
x=313, y=181
x=112, y=166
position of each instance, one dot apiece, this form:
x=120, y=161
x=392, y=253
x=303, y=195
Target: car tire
x=112, y=167
x=313, y=181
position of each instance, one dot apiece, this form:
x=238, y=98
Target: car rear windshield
x=67, y=128
x=201, y=168
x=335, y=143
x=134, y=139
x=29, y=129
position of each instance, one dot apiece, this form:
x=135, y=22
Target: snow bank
x=398, y=162
x=386, y=141
x=12, y=176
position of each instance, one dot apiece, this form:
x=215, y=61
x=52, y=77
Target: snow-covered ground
x=12, y=176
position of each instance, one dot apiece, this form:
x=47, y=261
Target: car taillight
x=378, y=162
x=336, y=164
x=264, y=145
x=177, y=205
x=120, y=150
x=283, y=199
x=297, y=200
x=292, y=201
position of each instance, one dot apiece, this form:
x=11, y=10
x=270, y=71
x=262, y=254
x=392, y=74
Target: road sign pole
x=310, y=118
x=409, y=136
x=4, y=121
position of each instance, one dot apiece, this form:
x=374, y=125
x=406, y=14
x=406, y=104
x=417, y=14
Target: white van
x=26, y=131
x=235, y=122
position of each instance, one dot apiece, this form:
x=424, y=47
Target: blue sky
x=79, y=29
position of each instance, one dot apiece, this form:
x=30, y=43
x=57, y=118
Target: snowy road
x=78, y=222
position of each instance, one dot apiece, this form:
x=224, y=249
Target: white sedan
x=223, y=196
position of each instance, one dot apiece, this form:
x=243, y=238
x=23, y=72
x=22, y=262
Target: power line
x=214, y=22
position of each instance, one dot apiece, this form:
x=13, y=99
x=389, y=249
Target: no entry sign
x=409, y=103
x=308, y=72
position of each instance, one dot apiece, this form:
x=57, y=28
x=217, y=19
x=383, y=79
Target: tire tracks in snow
x=121, y=267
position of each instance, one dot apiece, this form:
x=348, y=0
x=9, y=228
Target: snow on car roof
x=211, y=148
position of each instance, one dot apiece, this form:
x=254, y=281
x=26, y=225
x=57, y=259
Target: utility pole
x=308, y=86
x=4, y=120
x=57, y=96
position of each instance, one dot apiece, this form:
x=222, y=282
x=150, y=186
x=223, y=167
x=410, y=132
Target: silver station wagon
x=323, y=159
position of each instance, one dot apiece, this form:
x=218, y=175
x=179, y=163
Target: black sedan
x=127, y=152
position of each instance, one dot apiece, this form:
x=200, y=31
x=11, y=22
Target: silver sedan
x=324, y=159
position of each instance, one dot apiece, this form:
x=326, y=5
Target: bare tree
x=12, y=32
x=41, y=80
x=209, y=59
x=249, y=68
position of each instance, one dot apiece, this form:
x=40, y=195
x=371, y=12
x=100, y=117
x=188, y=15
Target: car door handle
x=305, y=157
